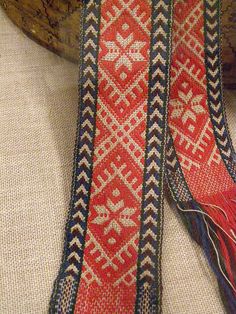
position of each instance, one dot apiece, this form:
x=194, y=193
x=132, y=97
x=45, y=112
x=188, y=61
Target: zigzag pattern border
x=214, y=83
x=66, y=285
x=148, y=298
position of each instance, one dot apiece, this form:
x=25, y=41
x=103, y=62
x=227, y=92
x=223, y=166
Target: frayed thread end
x=212, y=224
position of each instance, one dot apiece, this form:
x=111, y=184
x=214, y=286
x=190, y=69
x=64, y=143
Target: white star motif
x=123, y=218
x=179, y=107
x=124, y=51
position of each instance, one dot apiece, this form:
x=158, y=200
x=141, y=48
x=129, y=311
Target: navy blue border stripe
x=149, y=286
x=213, y=65
x=194, y=220
x=76, y=226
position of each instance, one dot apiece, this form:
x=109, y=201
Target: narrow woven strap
x=201, y=167
x=126, y=142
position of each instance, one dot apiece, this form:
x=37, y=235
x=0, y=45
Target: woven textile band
x=150, y=108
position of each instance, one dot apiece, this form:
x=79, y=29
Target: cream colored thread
x=199, y=211
x=217, y=256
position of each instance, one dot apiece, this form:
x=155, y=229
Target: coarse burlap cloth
x=38, y=110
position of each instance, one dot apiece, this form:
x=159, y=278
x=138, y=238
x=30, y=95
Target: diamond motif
x=123, y=71
x=113, y=225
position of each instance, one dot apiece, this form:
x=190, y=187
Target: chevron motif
x=190, y=117
x=113, y=196
x=76, y=226
x=214, y=84
x=200, y=167
x=112, y=254
x=86, y=132
x=111, y=245
x=149, y=279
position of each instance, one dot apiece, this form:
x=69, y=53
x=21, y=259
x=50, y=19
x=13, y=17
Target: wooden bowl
x=55, y=24
x=229, y=42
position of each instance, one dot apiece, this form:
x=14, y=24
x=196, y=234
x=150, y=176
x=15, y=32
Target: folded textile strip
x=150, y=105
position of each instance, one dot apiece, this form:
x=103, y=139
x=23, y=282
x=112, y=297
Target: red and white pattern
x=189, y=117
x=108, y=279
x=202, y=147
x=113, y=257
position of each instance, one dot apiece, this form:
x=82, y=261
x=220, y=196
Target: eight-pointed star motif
x=114, y=215
x=187, y=107
x=124, y=51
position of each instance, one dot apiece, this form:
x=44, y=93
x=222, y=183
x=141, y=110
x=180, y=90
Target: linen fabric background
x=38, y=112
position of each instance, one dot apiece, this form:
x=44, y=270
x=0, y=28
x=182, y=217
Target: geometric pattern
x=190, y=122
x=149, y=260
x=111, y=243
x=70, y=271
x=111, y=261
x=200, y=157
x=61, y=28
x=112, y=255
x=214, y=85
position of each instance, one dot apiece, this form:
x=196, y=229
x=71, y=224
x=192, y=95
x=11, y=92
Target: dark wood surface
x=55, y=24
x=229, y=42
